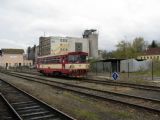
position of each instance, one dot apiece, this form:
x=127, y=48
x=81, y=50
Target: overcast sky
x=22, y=22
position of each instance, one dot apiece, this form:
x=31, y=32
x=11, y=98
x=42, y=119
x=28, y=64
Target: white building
x=57, y=45
x=62, y=45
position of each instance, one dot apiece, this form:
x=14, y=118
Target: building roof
x=152, y=51
x=12, y=51
x=110, y=60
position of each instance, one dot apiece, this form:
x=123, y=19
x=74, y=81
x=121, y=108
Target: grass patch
x=86, y=115
x=139, y=81
x=122, y=114
x=76, y=97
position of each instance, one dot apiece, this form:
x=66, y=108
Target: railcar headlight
x=87, y=66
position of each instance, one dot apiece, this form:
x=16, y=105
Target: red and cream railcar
x=72, y=64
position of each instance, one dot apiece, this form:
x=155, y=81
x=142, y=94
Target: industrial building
x=13, y=58
x=61, y=45
x=56, y=45
x=32, y=53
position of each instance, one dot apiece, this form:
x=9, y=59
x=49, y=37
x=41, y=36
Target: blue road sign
x=115, y=75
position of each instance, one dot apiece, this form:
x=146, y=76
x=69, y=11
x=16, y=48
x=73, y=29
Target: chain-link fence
x=128, y=70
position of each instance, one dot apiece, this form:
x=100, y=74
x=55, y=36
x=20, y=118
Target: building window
x=78, y=47
x=157, y=57
x=151, y=57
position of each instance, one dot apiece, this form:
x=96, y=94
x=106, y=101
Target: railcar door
x=63, y=62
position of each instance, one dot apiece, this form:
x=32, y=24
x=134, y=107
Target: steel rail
x=43, y=81
x=10, y=107
x=113, y=83
x=103, y=91
x=61, y=115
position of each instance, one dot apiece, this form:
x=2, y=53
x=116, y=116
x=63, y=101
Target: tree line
x=129, y=49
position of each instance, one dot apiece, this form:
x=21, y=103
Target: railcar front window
x=82, y=58
x=76, y=58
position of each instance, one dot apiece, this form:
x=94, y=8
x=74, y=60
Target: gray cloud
x=22, y=22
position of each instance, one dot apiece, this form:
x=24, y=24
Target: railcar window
x=76, y=58
x=48, y=60
x=71, y=58
x=82, y=58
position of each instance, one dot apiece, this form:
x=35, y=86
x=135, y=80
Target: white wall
x=134, y=65
x=59, y=46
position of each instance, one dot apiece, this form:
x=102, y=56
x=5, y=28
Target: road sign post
x=115, y=77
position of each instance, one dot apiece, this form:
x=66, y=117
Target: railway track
x=113, y=83
x=123, y=84
x=149, y=104
x=6, y=111
x=27, y=107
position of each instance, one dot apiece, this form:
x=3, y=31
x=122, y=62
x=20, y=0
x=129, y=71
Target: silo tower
x=92, y=37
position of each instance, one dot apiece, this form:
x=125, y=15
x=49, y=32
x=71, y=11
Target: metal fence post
x=111, y=70
x=152, y=69
x=128, y=69
x=96, y=68
x=103, y=67
x=117, y=67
